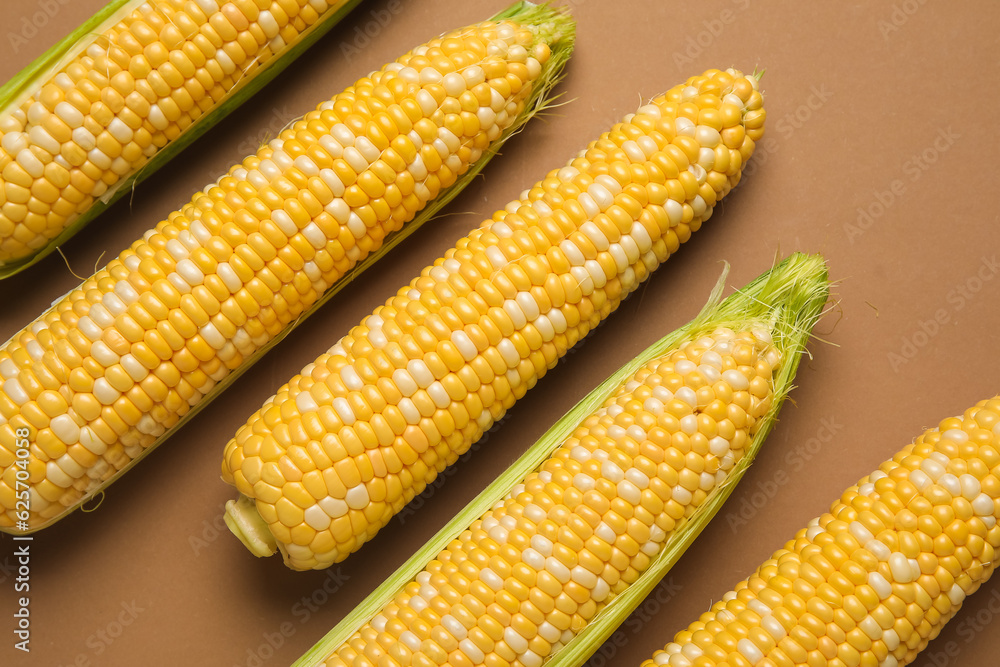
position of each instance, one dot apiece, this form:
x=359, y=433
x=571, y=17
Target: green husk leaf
x=556, y=25
x=49, y=63
x=788, y=299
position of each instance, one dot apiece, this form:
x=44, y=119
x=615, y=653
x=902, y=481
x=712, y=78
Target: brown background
x=854, y=92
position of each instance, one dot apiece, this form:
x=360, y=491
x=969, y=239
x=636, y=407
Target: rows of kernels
x=533, y=571
x=872, y=581
x=118, y=361
x=345, y=444
x=132, y=90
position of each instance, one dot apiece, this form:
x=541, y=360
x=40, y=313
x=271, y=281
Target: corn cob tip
x=741, y=350
x=367, y=431
x=551, y=25
x=553, y=32
x=246, y=523
x=117, y=98
x=141, y=364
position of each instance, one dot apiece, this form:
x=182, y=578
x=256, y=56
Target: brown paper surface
x=880, y=136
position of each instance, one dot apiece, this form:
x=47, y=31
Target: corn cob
x=546, y=562
x=120, y=361
x=347, y=443
x=873, y=580
x=582, y=528
x=125, y=92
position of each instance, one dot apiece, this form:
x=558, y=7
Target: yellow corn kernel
x=561, y=579
x=507, y=258
x=130, y=76
x=885, y=592
x=168, y=296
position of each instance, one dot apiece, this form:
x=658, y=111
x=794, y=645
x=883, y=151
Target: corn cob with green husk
x=119, y=363
x=124, y=93
x=347, y=443
x=547, y=561
x=873, y=580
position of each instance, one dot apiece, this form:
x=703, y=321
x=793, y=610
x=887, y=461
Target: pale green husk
x=788, y=299
x=552, y=24
x=52, y=61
